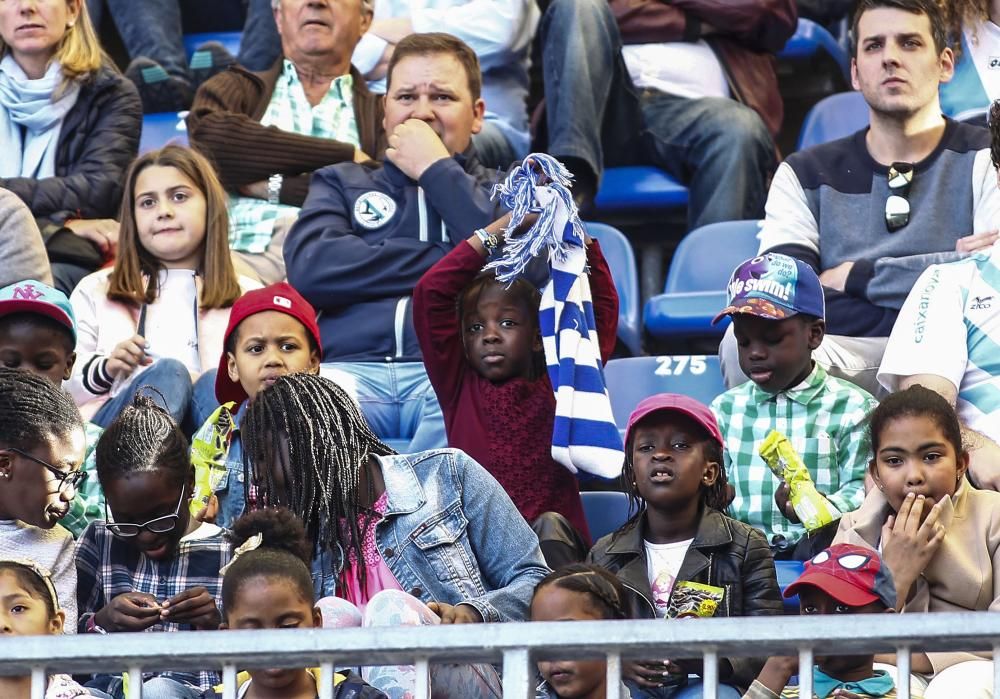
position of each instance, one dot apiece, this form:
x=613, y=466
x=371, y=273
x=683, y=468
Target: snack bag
x=813, y=509
x=208, y=455
x=691, y=600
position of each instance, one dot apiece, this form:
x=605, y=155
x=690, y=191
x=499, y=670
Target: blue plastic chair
x=833, y=117
x=631, y=379
x=695, y=290
x=231, y=40
x=160, y=129
x=605, y=512
x=639, y=187
x=811, y=38
x=787, y=572
x=618, y=252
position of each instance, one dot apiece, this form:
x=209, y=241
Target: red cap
x=697, y=411
x=280, y=297
x=852, y=575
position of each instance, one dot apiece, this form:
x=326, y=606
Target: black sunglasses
x=897, y=206
x=68, y=480
x=158, y=525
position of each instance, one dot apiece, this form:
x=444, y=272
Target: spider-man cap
x=852, y=575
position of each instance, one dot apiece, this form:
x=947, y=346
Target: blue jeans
x=719, y=148
x=168, y=376
x=260, y=45
x=150, y=28
x=398, y=401
x=153, y=688
x=492, y=147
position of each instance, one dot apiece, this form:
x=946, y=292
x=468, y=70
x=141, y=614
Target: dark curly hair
x=607, y=596
x=284, y=554
x=916, y=401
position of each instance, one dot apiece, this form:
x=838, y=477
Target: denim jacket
x=450, y=534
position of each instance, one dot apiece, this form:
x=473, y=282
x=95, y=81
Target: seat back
x=833, y=117
x=706, y=257
x=605, y=512
x=230, y=40
x=160, y=129
x=811, y=38
x=634, y=378
x=621, y=260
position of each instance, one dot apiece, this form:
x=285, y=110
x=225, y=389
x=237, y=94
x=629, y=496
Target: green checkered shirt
x=822, y=417
x=88, y=505
x=251, y=220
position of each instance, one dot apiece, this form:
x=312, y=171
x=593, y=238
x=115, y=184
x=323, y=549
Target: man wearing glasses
x=872, y=211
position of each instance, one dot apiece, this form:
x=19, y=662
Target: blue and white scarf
x=585, y=437
x=30, y=121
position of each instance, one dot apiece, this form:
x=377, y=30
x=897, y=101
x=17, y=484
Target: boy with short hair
x=776, y=303
x=38, y=334
x=843, y=579
x=271, y=332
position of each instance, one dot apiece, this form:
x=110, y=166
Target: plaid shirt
x=251, y=220
x=822, y=418
x=107, y=566
x=88, y=505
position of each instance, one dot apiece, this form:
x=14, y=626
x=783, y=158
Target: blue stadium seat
x=833, y=117
x=695, y=290
x=618, y=252
x=811, y=38
x=605, y=512
x=231, y=40
x=634, y=378
x=639, y=187
x=160, y=129
x=787, y=572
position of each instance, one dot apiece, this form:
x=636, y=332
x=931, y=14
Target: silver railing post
x=39, y=680
x=134, y=683
x=805, y=673
x=903, y=672
x=423, y=688
x=326, y=672
x=516, y=673
x=229, y=682
x=613, y=678
x=710, y=675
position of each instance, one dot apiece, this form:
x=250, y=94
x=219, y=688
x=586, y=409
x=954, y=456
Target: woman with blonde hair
x=69, y=127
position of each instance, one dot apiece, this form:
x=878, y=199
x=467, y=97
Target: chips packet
x=813, y=510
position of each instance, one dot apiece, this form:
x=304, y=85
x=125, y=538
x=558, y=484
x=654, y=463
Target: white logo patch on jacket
x=374, y=209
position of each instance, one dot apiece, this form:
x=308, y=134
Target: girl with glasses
x=151, y=565
x=41, y=449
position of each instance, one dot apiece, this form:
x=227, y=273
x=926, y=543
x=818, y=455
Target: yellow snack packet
x=209, y=447
x=691, y=600
x=813, y=509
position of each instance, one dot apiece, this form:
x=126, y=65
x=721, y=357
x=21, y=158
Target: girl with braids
x=41, y=449
x=157, y=317
x=403, y=539
x=268, y=586
x=151, y=565
x=679, y=555
x=577, y=592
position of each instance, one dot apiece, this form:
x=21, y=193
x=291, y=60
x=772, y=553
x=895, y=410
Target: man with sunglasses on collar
x=872, y=211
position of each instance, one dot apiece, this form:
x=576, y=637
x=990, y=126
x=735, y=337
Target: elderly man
x=366, y=236
x=267, y=132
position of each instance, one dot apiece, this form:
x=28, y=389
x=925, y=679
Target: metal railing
x=517, y=646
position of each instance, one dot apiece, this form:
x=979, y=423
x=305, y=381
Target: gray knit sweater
x=48, y=548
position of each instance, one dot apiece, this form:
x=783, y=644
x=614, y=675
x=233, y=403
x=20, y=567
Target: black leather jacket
x=725, y=553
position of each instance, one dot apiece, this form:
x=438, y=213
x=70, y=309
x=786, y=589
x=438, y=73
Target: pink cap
x=675, y=402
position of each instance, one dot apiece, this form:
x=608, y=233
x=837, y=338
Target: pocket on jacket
x=442, y=541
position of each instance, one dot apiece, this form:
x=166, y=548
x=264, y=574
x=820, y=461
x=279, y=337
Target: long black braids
x=33, y=409
x=328, y=445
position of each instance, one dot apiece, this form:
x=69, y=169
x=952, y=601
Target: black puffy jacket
x=98, y=141
x=724, y=553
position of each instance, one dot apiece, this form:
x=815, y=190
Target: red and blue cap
x=775, y=287
x=32, y=296
x=852, y=575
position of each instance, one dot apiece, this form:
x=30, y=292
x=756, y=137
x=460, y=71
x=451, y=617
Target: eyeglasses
x=159, y=525
x=897, y=206
x=69, y=481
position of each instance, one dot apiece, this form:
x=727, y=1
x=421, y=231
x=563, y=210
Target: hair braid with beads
x=607, y=596
x=328, y=443
x=33, y=409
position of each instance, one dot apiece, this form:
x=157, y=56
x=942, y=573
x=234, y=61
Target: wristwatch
x=274, y=189
x=489, y=241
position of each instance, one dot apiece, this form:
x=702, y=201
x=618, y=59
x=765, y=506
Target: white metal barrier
x=517, y=646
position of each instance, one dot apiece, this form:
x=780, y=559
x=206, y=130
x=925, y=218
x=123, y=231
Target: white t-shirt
x=679, y=68
x=950, y=327
x=663, y=562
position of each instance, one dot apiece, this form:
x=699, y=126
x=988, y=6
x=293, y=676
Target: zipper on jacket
x=422, y=214
x=643, y=597
x=400, y=323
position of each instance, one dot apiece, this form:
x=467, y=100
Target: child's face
x=170, y=217
x=571, y=679
x=915, y=456
x=33, y=493
x=668, y=460
x=36, y=347
x=500, y=335
x=813, y=600
x=776, y=354
x=23, y=614
x=141, y=497
x=268, y=603
x=269, y=345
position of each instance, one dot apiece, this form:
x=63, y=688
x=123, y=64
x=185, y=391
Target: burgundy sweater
x=506, y=427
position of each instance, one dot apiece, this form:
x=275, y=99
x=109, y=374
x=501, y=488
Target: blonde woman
x=69, y=127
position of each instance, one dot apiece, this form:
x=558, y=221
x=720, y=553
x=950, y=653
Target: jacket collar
x=803, y=393
x=401, y=483
x=267, y=79
x=713, y=531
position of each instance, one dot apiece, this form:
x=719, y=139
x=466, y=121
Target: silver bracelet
x=489, y=241
x=274, y=189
